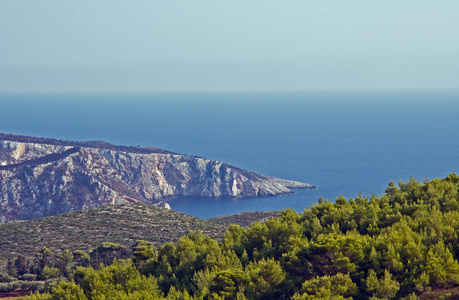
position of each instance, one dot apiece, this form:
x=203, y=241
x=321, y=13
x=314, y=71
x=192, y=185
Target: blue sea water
x=344, y=142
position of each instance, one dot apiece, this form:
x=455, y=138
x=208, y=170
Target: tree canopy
x=403, y=244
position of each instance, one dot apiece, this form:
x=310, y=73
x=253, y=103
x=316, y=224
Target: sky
x=148, y=45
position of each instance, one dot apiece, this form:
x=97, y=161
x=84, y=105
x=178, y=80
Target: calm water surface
x=344, y=142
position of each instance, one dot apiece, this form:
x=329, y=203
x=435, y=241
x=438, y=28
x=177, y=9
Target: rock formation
x=43, y=177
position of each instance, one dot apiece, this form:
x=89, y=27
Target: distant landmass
x=42, y=177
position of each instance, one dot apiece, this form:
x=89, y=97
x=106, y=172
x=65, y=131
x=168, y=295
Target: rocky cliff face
x=40, y=179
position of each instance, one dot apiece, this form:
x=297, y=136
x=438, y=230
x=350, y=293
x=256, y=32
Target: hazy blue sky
x=198, y=45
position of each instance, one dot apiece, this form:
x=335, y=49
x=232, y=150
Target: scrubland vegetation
x=87, y=229
x=403, y=244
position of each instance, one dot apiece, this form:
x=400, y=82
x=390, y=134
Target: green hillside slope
x=87, y=229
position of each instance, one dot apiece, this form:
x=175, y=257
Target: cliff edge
x=44, y=177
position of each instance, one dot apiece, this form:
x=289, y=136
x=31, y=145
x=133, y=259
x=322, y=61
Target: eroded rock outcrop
x=40, y=179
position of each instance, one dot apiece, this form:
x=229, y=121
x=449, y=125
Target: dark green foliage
x=64, y=262
x=142, y=251
x=5, y=278
x=22, y=265
x=227, y=282
x=264, y=276
x=50, y=273
x=107, y=253
x=43, y=258
x=20, y=286
x=335, y=287
x=81, y=258
x=404, y=244
x=115, y=282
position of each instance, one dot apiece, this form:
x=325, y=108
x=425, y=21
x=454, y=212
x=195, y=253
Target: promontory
x=42, y=177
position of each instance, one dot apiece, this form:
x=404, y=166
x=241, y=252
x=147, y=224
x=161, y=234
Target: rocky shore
x=40, y=178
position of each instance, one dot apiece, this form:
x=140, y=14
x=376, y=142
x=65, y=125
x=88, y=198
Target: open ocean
x=344, y=142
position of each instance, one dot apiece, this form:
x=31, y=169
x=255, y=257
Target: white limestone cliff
x=38, y=179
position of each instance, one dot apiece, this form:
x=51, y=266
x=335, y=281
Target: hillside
x=401, y=245
x=89, y=228
x=245, y=219
x=44, y=177
x=123, y=224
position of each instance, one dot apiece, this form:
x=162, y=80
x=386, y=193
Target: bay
x=345, y=142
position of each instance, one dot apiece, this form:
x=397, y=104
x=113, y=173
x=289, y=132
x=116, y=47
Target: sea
x=345, y=142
